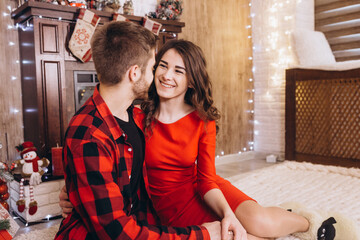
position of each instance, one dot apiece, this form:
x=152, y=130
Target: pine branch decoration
x=4, y=224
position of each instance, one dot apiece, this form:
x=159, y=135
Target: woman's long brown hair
x=198, y=95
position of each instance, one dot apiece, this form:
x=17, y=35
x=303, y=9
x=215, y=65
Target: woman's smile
x=166, y=85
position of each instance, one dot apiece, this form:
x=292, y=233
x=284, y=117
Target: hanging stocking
x=118, y=17
x=153, y=26
x=33, y=203
x=84, y=29
x=21, y=202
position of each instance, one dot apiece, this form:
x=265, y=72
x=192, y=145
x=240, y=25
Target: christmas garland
x=168, y=10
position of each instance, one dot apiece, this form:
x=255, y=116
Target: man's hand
x=64, y=203
x=214, y=229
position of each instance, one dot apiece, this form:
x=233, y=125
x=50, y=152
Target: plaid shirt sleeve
x=95, y=186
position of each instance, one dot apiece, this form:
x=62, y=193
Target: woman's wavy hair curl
x=199, y=93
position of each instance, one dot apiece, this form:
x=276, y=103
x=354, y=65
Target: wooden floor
x=224, y=170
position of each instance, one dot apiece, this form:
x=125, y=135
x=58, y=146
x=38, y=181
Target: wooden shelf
x=67, y=13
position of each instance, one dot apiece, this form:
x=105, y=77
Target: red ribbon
x=34, y=163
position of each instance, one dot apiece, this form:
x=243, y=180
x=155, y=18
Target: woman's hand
x=230, y=224
x=64, y=203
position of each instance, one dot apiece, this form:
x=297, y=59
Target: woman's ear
x=134, y=73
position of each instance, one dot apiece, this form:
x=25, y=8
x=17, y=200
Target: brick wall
x=272, y=24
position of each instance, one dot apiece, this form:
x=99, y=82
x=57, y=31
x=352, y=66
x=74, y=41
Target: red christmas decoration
x=4, y=204
x=5, y=196
x=3, y=189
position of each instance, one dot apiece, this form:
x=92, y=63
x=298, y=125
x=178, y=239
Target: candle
x=57, y=163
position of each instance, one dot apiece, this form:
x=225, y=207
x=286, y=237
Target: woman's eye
x=162, y=65
x=179, y=72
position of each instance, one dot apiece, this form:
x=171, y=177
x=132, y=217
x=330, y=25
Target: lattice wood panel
x=328, y=117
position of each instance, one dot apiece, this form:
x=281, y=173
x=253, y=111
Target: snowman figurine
x=31, y=169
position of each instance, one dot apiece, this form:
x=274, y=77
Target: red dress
x=180, y=163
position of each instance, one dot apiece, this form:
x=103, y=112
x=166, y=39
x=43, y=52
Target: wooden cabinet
x=48, y=67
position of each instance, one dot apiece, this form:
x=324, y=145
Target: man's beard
x=140, y=89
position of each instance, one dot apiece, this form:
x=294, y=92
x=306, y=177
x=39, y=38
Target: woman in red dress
x=179, y=121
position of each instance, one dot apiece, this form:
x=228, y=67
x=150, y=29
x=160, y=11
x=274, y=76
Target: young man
x=104, y=150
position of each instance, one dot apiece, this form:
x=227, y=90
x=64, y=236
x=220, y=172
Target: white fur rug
x=316, y=186
x=328, y=188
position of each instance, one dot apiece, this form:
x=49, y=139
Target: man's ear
x=134, y=73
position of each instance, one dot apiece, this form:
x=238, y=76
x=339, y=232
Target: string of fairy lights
x=7, y=21
x=275, y=20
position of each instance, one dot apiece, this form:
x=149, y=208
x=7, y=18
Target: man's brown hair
x=117, y=46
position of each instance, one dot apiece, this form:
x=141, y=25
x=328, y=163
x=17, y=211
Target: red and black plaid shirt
x=98, y=163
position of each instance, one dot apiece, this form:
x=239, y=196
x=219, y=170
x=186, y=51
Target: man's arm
x=213, y=228
x=97, y=198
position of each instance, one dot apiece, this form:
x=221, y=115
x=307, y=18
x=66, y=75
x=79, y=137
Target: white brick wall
x=271, y=56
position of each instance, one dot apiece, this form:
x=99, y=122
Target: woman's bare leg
x=269, y=222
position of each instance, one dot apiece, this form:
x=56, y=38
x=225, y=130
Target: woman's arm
x=208, y=188
x=217, y=202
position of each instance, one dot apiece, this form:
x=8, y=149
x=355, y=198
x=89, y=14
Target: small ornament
x=77, y=3
x=5, y=196
x=32, y=170
x=128, y=7
x=5, y=205
x=5, y=177
x=168, y=10
x=111, y=6
x=3, y=189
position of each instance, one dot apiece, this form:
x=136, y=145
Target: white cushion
x=312, y=48
x=338, y=66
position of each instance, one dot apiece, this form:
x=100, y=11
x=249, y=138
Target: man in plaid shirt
x=103, y=149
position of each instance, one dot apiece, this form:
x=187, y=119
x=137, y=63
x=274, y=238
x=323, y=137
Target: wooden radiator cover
x=323, y=116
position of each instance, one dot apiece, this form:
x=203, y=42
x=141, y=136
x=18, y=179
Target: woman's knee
x=256, y=219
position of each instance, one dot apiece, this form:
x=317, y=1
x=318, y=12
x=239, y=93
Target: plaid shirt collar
x=114, y=127
x=106, y=114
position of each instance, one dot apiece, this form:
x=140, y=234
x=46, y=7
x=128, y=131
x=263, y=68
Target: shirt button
x=131, y=205
x=123, y=134
x=129, y=149
x=129, y=176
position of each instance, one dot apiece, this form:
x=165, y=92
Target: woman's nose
x=168, y=74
